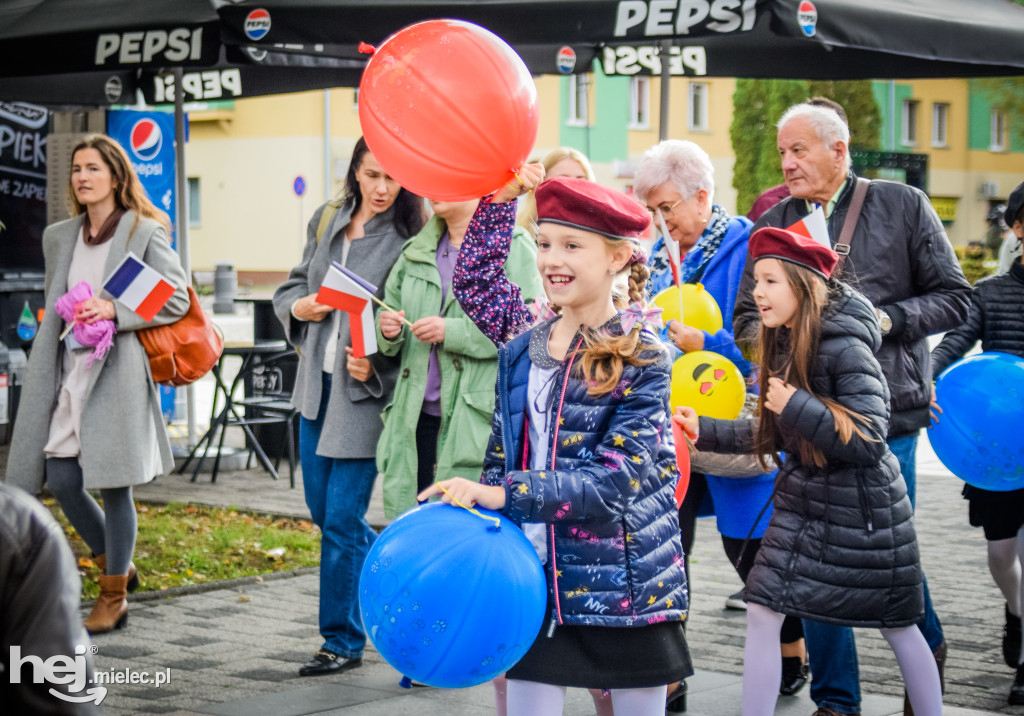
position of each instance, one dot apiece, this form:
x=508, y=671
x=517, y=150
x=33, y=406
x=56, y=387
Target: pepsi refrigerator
x=148, y=138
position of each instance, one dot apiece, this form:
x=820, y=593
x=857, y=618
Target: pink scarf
x=99, y=335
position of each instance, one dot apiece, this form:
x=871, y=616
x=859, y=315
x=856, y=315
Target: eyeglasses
x=665, y=209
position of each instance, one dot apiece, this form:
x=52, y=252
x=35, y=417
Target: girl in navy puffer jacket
x=581, y=450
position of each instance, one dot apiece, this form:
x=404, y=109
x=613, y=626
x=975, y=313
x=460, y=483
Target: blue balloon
x=450, y=598
x=980, y=433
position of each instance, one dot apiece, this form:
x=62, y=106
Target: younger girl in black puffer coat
x=840, y=546
x=997, y=319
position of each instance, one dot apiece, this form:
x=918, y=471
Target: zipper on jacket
x=554, y=457
x=864, y=509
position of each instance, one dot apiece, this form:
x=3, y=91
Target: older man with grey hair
x=898, y=255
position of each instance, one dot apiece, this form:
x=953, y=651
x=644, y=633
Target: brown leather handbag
x=184, y=351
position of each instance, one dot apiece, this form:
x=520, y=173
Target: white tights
x=762, y=664
x=529, y=698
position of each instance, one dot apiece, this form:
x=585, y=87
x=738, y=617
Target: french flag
x=813, y=227
x=347, y=292
x=139, y=286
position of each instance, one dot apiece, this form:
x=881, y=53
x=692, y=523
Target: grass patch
x=181, y=544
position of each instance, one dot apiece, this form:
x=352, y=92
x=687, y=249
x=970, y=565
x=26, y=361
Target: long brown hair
x=128, y=192
x=603, y=355
x=791, y=358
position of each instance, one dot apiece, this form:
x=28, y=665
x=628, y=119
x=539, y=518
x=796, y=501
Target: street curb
x=190, y=589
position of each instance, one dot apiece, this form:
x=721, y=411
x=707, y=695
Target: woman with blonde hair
x=560, y=162
x=90, y=417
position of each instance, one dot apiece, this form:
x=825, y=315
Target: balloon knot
x=405, y=683
x=367, y=49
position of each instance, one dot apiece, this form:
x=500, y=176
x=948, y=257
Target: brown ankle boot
x=111, y=608
x=133, y=574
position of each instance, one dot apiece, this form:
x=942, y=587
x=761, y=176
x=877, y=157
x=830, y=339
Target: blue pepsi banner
x=148, y=137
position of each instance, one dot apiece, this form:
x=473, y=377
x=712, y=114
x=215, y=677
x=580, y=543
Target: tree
x=757, y=107
x=1005, y=94
x=858, y=101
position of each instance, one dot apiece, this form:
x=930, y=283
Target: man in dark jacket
x=900, y=258
x=39, y=614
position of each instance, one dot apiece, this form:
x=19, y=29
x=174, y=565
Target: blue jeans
x=831, y=649
x=338, y=495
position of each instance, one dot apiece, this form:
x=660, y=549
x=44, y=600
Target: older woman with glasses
x=676, y=180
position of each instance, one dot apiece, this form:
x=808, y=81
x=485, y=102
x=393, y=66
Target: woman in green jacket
x=439, y=420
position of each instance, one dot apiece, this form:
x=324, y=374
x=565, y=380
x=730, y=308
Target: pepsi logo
x=257, y=24
x=807, y=17
x=146, y=139
x=566, y=60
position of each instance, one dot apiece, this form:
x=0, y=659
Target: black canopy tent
x=837, y=39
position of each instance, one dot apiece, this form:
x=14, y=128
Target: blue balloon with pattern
x=980, y=433
x=451, y=598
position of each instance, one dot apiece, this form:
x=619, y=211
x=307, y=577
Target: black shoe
x=794, y=675
x=327, y=662
x=676, y=702
x=1011, y=639
x=1017, y=690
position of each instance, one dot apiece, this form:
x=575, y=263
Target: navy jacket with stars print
x=615, y=555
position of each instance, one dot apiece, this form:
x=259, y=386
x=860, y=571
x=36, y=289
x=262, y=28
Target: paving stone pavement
x=236, y=649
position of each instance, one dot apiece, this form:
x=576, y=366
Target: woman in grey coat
x=90, y=421
x=341, y=397
x=840, y=546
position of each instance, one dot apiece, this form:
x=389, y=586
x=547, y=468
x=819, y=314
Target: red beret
x=774, y=243
x=591, y=207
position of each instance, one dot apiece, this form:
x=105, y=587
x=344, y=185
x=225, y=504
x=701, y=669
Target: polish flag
x=347, y=292
x=139, y=286
x=672, y=248
x=813, y=227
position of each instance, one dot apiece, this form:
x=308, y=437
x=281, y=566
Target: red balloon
x=682, y=462
x=448, y=109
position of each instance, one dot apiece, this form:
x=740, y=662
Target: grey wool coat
x=124, y=441
x=352, y=421
x=840, y=546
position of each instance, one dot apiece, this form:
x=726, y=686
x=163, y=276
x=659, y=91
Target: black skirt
x=1001, y=514
x=597, y=657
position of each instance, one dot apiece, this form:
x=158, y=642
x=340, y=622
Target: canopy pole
x=327, y=146
x=666, y=75
x=181, y=179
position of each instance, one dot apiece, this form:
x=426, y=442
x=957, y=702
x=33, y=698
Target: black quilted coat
x=996, y=319
x=840, y=547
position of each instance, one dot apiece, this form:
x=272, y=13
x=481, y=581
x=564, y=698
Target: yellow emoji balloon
x=700, y=309
x=709, y=383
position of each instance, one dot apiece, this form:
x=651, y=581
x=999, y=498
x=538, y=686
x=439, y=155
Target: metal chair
x=268, y=403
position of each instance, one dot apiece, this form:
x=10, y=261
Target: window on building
x=578, y=113
x=194, y=207
x=640, y=103
x=940, y=114
x=698, y=114
x=997, y=131
x=909, y=136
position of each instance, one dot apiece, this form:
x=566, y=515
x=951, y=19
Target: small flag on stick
x=347, y=292
x=813, y=227
x=139, y=286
